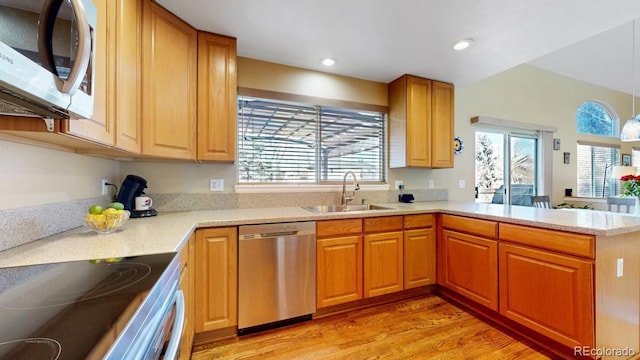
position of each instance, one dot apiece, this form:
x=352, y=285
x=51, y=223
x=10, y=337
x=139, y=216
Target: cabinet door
x=418, y=122
x=550, y=293
x=383, y=263
x=187, y=287
x=339, y=270
x=471, y=267
x=170, y=84
x=216, y=281
x=100, y=127
x=441, y=125
x=419, y=257
x=127, y=79
x=217, y=97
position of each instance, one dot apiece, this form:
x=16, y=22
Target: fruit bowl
x=107, y=222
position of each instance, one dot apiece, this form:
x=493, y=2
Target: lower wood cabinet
x=338, y=262
x=550, y=293
x=363, y=258
x=383, y=255
x=216, y=281
x=471, y=267
x=419, y=250
x=187, y=286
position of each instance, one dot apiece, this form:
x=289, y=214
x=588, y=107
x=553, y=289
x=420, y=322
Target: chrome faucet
x=346, y=198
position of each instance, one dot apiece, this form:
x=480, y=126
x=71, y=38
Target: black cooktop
x=71, y=310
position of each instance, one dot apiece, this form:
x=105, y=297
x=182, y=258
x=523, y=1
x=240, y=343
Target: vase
x=636, y=207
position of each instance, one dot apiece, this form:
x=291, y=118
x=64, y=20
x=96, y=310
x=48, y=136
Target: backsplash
x=218, y=201
x=23, y=225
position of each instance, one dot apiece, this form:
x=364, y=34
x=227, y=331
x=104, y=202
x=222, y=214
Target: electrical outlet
x=619, y=267
x=461, y=184
x=216, y=185
x=105, y=187
x=398, y=184
x=430, y=184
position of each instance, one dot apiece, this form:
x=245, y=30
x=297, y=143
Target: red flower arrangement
x=631, y=185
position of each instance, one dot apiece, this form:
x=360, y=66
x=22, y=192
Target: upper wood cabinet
x=169, y=79
x=442, y=98
x=126, y=89
x=116, y=115
x=100, y=127
x=421, y=123
x=217, y=97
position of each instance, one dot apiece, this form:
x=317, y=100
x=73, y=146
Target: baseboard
x=373, y=301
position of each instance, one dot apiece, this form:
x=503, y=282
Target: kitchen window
x=594, y=167
x=300, y=143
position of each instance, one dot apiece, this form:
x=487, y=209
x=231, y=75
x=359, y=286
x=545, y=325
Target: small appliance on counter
x=405, y=198
x=133, y=187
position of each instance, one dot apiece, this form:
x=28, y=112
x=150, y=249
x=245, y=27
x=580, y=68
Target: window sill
x=283, y=188
x=586, y=199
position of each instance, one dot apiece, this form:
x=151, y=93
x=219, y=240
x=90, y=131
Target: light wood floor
x=423, y=328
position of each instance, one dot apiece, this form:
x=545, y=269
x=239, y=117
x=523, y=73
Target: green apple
x=116, y=205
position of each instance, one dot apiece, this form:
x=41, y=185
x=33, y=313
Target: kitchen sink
x=323, y=209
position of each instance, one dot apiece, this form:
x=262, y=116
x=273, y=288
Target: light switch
x=461, y=184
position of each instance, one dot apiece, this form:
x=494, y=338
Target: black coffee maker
x=132, y=187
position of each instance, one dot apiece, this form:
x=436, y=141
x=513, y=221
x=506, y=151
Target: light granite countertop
x=167, y=232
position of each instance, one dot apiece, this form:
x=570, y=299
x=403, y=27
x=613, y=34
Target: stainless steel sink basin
x=322, y=209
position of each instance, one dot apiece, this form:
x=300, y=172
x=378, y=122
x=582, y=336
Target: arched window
x=597, y=118
x=593, y=159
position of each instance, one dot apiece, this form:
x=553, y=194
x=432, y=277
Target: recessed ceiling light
x=462, y=44
x=328, y=61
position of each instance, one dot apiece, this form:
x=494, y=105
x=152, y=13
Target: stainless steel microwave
x=47, y=58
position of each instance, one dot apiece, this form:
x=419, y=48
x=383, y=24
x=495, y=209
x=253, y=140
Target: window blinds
x=298, y=143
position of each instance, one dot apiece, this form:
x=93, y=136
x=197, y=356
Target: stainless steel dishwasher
x=276, y=275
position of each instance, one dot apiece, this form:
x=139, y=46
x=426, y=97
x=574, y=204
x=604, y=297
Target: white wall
x=532, y=95
x=33, y=175
x=180, y=177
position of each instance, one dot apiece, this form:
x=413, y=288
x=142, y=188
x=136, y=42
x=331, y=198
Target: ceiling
x=380, y=40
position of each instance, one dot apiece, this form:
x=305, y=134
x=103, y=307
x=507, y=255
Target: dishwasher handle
x=270, y=231
x=277, y=234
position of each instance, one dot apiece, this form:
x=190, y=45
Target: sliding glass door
x=506, y=167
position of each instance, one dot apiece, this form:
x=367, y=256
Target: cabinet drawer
x=565, y=242
x=473, y=226
x=378, y=224
x=338, y=227
x=419, y=221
